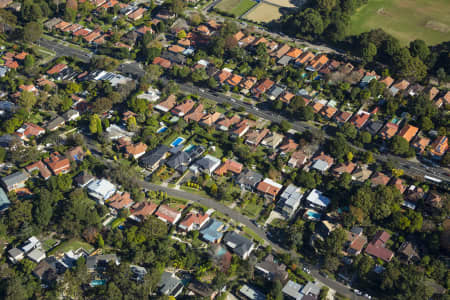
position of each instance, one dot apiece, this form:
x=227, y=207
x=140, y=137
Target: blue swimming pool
x=178, y=141
x=395, y=120
x=97, y=282
x=313, y=214
x=189, y=148
x=162, y=129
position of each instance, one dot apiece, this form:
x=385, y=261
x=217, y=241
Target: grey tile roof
x=240, y=244
x=15, y=178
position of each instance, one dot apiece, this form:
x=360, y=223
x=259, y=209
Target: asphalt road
x=62, y=50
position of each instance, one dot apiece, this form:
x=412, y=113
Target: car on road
x=306, y=270
x=367, y=296
x=357, y=292
x=202, y=90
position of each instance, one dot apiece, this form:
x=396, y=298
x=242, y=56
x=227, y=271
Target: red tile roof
x=56, y=69
x=408, y=132
x=143, y=209
x=120, y=200
x=380, y=179
x=136, y=149
x=229, y=165
x=57, y=163
x=43, y=170
x=162, y=62
x=377, y=247
x=168, y=214
x=193, y=218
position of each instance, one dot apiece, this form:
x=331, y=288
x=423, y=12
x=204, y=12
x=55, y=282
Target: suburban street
x=62, y=50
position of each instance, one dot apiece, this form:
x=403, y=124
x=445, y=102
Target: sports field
x=284, y=3
x=235, y=7
x=407, y=20
x=264, y=12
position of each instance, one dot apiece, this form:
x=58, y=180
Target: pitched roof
x=229, y=165
x=167, y=104
x=137, y=13
x=165, y=63
x=360, y=119
x=408, y=132
x=169, y=214
x=183, y=108
x=288, y=146
x=136, y=149
x=389, y=130
x=399, y=184
x=270, y=187
x=348, y=167
x=141, y=210
x=39, y=165
x=57, y=163
x=120, y=200
x=210, y=119
x=286, y=97
x=401, y=85
x=439, y=146
x=234, y=79
x=294, y=52
x=343, y=116
x=176, y=49
x=193, y=218
x=196, y=115
x=377, y=247
x=380, y=179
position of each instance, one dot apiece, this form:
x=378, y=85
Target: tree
x=419, y=49
x=425, y=123
x=29, y=61
x=32, y=31
x=2, y=154
x=326, y=5
x=131, y=123
x=93, y=123
x=181, y=34
x=366, y=138
x=312, y=22
x=369, y=51
x=349, y=156
x=399, y=146
x=27, y=100
x=100, y=242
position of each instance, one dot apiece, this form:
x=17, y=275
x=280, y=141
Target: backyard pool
x=162, y=129
x=395, y=120
x=189, y=148
x=97, y=282
x=311, y=214
x=178, y=141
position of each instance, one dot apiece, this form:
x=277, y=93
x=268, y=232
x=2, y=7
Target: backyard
x=235, y=7
x=73, y=245
x=406, y=20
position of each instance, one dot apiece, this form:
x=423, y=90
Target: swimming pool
x=162, y=129
x=97, y=282
x=178, y=141
x=313, y=214
x=395, y=120
x=189, y=148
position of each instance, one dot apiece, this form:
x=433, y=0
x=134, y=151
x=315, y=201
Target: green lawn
x=251, y=209
x=73, y=245
x=252, y=235
x=406, y=20
x=49, y=244
x=235, y=7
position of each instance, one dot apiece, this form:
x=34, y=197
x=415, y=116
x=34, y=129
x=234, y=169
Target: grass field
x=284, y=3
x=264, y=12
x=73, y=245
x=407, y=20
x=235, y=7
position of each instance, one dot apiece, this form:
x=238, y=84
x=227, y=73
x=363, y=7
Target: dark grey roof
x=249, y=177
x=150, y=158
x=276, y=91
x=7, y=139
x=83, y=178
x=175, y=58
x=4, y=201
x=58, y=121
x=179, y=161
x=241, y=243
x=374, y=126
x=49, y=269
x=169, y=284
x=93, y=261
x=284, y=60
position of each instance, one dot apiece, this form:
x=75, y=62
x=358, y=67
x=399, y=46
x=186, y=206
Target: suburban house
x=389, y=130
x=288, y=146
x=152, y=159
x=212, y=231
x=83, y=179
x=439, y=147
x=420, y=143
x=207, y=164
x=240, y=129
x=377, y=247
x=272, y=270
x=49, y=270
x=56, y=123
x=141, y=210
x=170, y=285
x=167, y=214
x=322, y=162
x=347, y=167
x=210, y=119
x=379, y=179
x=359, y=119
x=408, y=251
x=167, y=104
x=57, y=163
x=202, y=290
x=239, y=244
x=229, y=166
x=273, y=140
x=226, y=123
x=263, y=87
x=179, y=161
x=356, y=241
x=408, y=132
x=196, y=115
x=15, y=181
x=342, y=117
x=120, y=200
x=29, y=130
x=269, y=188
x=39, y=166
x=101, y=189
x=183, y=108
x=193, y=221
x=76, y=153
x=290, y=200
x=297, y=159
x=99, y=262
x=136, y=150
x=256, y=136
x=317, y=200
x=247, y=292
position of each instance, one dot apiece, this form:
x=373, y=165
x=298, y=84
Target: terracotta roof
x=329, y=112
x=29, y=130
x=223, y=75
x=420, y=143
x=399, y=184
x=169, y=214
x=21, y=55
x=143, y=209
x=282, y=51
x=247, y=40
x=298, y=158
x=196, y=115
x=193, y=218
x=304, y=58
x=377, y=247
x=72, y=28
x=248, y=83
x=137, y=14
x=82, y=32
x=210, y=119
x=348, y=167
x=176, y=49
x=61, y=25
x=92, y=36
x=379, y=179
x=136, y=149
x=287, y=97
x=264, y=85
x=319, y=61
x=322, y=156
x=183, y=108
x=144, y=29
x=162, y=62
x=76, y=153
x=408, y=132
x=12, y=64
x=42, y=82
x=238, y=35
x=260, y=40
x=288, y=146
x=213, y=24
x=255, y=137
x=317, y=107
x=431, y=93
x=228, y=122
x=360, y=119
x=203, y=29
x=234, y=79
x=184, y=42
x=28, y=88
x=57, y=163
x=402, y=85
x=43, y=170
x=343, y=116
x=388, y=81
x=120, y=200
x=229, y=165
x=169, y=103
x=388, y=130
x=56, y=69
x=267, y=187
x=294, y=52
